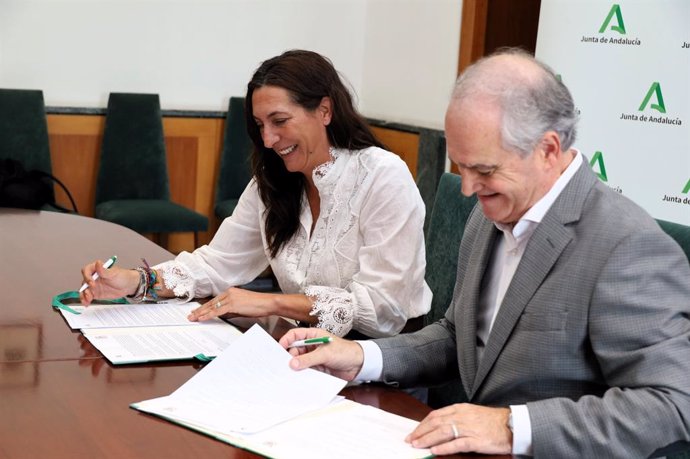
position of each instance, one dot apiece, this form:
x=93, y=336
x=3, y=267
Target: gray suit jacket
x=593, y=333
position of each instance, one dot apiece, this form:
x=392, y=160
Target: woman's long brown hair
x=308, y=77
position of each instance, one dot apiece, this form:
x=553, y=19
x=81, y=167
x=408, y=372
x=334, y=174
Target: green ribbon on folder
x=56, y=302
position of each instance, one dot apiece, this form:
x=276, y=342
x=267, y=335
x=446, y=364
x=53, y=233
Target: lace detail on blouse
x=334, y=308
x=176, y=278
x=327, y=226
x=321, y=170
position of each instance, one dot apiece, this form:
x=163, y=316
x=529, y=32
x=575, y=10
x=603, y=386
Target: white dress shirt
x=505, y=258
x=363, y=264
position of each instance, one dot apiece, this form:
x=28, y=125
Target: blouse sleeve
x=234, y=257
x=389, y=287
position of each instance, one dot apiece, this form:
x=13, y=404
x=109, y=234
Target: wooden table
x=58, y=396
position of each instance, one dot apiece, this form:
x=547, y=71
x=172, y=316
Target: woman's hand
x=236, y=302
x=111, y=283
x=341, y=358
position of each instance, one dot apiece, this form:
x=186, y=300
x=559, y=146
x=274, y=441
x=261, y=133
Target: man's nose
x=469, y=184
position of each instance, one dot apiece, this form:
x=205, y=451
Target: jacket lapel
x=468, y=299
x=544, y=248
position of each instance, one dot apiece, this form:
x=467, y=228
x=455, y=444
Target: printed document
x=250, y=397
x=137, y=333
x=150, y=344
x=130, y=315
x=249, y=387
x=343, y=430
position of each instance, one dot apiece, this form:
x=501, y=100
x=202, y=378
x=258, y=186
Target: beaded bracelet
x=146, y=290
x=140, y=293
x=151, y=277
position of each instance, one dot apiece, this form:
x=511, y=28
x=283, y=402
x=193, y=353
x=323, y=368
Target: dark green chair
x=23, y=128
x=431, y=164
x=132, y=188
x=24, y=138
x=680, y=233
x=446, y=226
x=234, y=175
x=235, y=171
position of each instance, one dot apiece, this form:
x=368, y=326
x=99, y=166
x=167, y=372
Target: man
x=569, y=322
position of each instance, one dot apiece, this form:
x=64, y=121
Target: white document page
x=130, y=315
x=343, y=430
x=249, y=387
x=148, y=344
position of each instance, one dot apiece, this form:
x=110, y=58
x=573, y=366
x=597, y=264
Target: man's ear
x=550, y=146
x=325, y=110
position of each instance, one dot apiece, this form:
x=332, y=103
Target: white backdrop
x=627, y=64
x=400, y=56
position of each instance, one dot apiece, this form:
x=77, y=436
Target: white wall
x=399, y=56
x=410, y=59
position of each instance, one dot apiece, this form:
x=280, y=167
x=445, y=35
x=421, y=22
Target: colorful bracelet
x=146, y=290
x=151, y=278
x=140, y=293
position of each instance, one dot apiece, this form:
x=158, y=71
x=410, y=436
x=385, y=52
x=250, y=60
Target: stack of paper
x=135, y=333
x=249, y=397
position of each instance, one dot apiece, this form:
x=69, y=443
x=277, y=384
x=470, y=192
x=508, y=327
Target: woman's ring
x=456, y=434
x=218, y=305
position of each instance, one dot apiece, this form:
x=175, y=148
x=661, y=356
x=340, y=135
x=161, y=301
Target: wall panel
x=193, y=152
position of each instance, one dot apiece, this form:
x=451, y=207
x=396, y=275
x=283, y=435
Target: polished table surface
x=58, y=396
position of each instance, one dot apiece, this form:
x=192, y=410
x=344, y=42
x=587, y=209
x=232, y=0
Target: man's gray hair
x=532, y=102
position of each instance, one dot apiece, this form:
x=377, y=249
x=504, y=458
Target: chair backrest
x=680, y=233
x=133, y=159
x=235, y=170
x=23, y=128
x=446, y=226
x=431, y=164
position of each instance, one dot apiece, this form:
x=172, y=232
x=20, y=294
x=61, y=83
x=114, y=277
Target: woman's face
x=296, y=135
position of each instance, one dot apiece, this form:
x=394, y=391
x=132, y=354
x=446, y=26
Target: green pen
x=311, y=342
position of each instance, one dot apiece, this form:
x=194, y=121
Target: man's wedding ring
x=456, y=434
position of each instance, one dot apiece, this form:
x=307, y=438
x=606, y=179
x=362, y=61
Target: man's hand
x=340, y=357
x=464, y=428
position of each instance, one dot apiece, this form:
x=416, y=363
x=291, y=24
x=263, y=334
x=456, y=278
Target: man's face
x=506, y=184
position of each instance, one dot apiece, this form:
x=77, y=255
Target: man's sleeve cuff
x=372, y=367
x=522, y=430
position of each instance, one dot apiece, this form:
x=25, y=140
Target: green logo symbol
x=687, y=188
x=598, y=159
x=655, y=88
x=620, y=27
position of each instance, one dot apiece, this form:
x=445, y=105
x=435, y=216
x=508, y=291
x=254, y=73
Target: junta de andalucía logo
x=654, y=90
x=653, y=100
x=612, y=23
x=619, y=26
x=598, y=166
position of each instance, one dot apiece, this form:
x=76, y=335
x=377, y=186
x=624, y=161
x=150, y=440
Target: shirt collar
x=526, y=225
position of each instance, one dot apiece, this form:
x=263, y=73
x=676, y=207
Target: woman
x=338, y=219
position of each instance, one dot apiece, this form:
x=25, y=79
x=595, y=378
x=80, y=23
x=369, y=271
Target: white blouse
x=363, y=266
